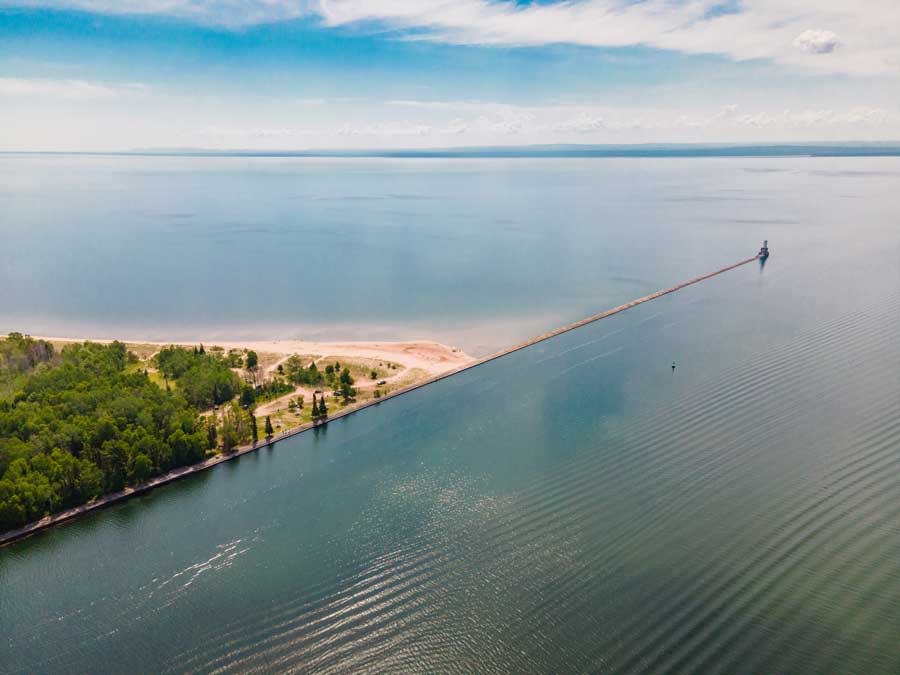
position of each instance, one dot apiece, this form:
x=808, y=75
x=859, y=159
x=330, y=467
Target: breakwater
x=110, y=499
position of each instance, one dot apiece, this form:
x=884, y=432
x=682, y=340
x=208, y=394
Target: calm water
x=478, y=253
x=573, y=507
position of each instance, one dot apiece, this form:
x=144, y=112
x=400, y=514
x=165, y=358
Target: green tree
x=174, y=361
x=269, y=430
x=212, y=436
x=83, y=422
x=248, y=395
x=252, y=360
x=209, y=382
x=323, y=408
x=254, y=430
x=235, y=427
x=141, y=469
x=347, y=391
x=315, y=408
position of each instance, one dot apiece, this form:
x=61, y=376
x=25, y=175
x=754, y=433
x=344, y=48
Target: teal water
x=576, y=506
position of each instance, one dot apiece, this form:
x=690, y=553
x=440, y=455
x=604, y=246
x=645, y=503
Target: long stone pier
x=107, y=500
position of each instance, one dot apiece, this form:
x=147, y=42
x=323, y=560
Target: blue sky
x=295, y=74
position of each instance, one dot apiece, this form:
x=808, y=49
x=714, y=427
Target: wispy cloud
x=71, y=90
x=477, y=122
x=756, y=29
x=586, y=119
x=797, y=32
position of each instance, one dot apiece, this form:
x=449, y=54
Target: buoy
x=673, y=365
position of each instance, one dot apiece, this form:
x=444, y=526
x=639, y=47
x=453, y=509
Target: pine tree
x=253, y=429
x=212, y=436
x=269, y=429
x=323, y=409
x=315, y=408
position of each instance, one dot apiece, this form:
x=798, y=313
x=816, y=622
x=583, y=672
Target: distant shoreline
x=647, y=150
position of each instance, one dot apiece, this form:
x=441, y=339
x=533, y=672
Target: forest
x=87, y=420
x=205, y=378
x=92, y=418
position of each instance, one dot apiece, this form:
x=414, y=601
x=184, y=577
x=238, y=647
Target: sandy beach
x=432, y=357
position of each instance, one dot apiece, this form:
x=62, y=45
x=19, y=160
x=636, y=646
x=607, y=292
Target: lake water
x=477, y=253
x=576, y=506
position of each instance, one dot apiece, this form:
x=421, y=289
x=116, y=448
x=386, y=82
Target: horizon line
x=561, y=150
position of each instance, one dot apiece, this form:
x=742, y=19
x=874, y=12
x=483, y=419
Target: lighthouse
x=764, y=251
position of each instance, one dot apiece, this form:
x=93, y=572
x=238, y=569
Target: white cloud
x=485, y=122
x=486, y=117
x=385, y=130
x=456, y=126
x=816, y=41
x=72, y=90
x=759, y=29
x=778, y=30
x=554, y=122
x=582, y=123
x=118, y=124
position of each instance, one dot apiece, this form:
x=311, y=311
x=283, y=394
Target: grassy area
x=409, y=377
x=268, y=359
x=282, y=417
x=361, y=370
x=140, y=349
x=157, y=377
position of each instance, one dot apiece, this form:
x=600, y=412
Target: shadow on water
x=128, y=513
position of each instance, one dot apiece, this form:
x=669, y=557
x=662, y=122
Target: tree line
x=88, y=421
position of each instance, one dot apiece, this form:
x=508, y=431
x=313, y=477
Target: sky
x=95, y=75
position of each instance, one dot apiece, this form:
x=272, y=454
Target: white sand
x=432, y=357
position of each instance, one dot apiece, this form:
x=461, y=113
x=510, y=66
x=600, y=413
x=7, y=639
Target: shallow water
x=576, y=506
x=477, y=253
